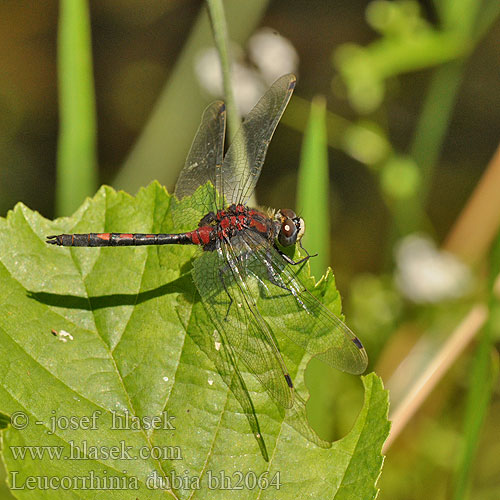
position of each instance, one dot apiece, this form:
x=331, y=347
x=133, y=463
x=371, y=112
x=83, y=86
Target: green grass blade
x=313, y=185
x=434, y=120
x=76, y=155
x=466, y=20
x=483, y=378
x=313, y=207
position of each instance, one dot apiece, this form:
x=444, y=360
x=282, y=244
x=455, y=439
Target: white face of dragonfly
x=292, y=228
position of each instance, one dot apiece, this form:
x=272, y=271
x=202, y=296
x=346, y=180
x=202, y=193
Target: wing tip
x=288, y=79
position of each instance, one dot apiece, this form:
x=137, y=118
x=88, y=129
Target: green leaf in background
x=101, y=332
x=76, y=155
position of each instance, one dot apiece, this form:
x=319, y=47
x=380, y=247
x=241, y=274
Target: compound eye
x=288, y=233
x=288, y=213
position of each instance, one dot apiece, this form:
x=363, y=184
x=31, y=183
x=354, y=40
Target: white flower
x=273, y=56
x=426, y=274
x=247, y=85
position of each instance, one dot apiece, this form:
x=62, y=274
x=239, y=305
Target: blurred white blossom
x=208, y=70
x=426, y=274
x=272, y=55
x=247, y=84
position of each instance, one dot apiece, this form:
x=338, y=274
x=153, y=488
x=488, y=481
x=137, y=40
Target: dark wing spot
x=357, y=343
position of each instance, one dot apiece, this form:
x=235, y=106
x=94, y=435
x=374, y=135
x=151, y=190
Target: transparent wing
x=291, y=309
x=229, y=300
x=244, y=159
x=231, y=293
x=204, y=156
x=220, y=352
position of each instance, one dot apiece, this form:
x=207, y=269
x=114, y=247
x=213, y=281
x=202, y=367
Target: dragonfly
x=245, y=279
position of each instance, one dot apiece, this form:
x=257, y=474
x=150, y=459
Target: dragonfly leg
x=273, y=276
x=293, y=262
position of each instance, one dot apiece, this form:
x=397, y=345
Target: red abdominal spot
x=204, y=234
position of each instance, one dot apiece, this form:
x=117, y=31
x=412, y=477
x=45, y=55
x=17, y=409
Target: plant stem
x=161, y=149
x=438, y=367
x=483, y=377
x=479, y=221
x=219, y=28
x=434, y=121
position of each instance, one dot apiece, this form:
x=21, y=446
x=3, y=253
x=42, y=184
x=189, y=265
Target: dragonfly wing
x=221, y=353
x=204, y=156
x=229, y=298
x=218, y=345
x=290, y=308
x=244, y=159
x=241, y=254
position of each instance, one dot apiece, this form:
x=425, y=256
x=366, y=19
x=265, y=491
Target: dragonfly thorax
x=227, y=223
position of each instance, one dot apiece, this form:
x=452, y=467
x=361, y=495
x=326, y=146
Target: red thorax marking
x=258, y=225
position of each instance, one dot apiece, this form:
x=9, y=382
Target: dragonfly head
x=291, y=227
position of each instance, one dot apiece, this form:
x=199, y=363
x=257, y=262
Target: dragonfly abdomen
x=118, y=239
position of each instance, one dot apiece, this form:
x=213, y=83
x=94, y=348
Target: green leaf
x=89, y=332
x=4, y=421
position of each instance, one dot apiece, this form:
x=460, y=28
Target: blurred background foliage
x=396, y=104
